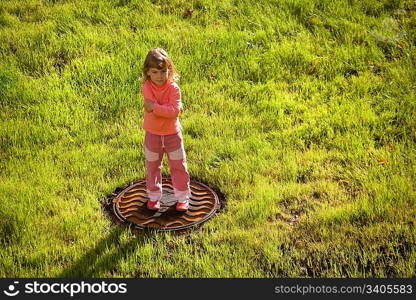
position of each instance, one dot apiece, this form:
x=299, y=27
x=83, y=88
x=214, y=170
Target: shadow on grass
x=104, y=258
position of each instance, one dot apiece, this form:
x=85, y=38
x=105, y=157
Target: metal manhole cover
x=130, y=207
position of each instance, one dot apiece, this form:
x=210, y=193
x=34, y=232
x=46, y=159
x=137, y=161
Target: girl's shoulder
x=146, y=84
x=174, y=89
x=173, y=85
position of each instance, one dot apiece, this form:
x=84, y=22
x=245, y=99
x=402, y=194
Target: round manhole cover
x=130, y=207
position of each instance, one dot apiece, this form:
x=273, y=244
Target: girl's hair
x=159, y=59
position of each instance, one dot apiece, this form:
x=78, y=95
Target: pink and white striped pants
x=154, y=148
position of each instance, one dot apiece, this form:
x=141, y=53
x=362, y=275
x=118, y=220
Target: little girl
x=162, y=104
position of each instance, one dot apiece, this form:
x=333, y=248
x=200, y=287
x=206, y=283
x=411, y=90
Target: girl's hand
x=148, y=106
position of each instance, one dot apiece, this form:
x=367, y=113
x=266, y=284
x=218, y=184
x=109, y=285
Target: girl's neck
x=159, y=86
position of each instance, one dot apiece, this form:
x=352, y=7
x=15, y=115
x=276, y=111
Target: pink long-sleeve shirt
x=164, y=119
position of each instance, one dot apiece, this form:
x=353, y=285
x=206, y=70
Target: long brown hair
x=159, y=59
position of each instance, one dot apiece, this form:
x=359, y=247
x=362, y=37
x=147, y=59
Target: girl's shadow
x=105, y=257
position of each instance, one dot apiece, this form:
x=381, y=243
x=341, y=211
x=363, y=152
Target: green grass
x=302, y=113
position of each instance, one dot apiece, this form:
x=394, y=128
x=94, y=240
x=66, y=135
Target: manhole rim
x=121, y=218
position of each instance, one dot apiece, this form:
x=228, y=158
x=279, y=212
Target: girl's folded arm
x=171, y=110
x=168, y=110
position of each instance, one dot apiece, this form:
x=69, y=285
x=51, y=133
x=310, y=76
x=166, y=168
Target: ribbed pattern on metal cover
x=130, y=207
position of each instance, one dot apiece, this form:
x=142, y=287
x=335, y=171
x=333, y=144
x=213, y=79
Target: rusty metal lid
x=129, y=206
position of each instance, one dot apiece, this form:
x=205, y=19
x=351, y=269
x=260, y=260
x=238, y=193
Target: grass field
x=302, y=113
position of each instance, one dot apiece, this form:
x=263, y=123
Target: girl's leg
x=154, y=155
x=177, y=165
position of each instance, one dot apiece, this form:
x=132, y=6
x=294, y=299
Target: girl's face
x=158, y=77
